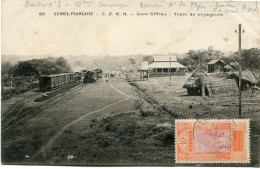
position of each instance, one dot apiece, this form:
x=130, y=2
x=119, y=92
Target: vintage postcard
x=130, y=83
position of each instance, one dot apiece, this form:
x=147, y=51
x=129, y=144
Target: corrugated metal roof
x=214, y=61
x=55, y=75
x=164, y=58
x=166, y=65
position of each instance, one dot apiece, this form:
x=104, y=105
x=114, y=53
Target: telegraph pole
x=11, y=81
x=170, y=71
x=200, y=61
x=240, y=72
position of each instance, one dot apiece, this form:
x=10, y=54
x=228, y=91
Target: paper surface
x=118, y=119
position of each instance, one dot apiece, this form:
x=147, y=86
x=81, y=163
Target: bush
x=36, y=67
x=138, y=104
x=147, y=112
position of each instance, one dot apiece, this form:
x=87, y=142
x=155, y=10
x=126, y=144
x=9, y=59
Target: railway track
x=23, y=113
x=17, y=106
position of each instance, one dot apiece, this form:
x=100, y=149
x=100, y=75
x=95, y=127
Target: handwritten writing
x=184, y=6
x=109, y=5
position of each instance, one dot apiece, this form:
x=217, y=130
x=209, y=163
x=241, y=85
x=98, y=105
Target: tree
x=193, y=55
x=198, y=56
x=250, y=60
x=61, y=62
x=6, y=68
x=149, y=59
x=203, y=56
x=132, y=61
x=26, y=68
x=186, y=61
x=46, y=66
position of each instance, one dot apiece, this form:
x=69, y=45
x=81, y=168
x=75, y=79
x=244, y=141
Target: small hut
x=213, y=85
x=144, y=70
x=248, y=79
x=216, y=66
x=227, y=68
x=234, y=65
x=193, y=84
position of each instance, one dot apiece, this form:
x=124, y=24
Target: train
x=50, y=82
x=92, y=76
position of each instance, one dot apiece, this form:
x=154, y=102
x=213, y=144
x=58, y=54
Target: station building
x=165, y=65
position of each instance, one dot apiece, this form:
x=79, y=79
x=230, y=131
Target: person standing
x=106, y=79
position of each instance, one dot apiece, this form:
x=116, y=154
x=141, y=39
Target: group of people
x=109, y=75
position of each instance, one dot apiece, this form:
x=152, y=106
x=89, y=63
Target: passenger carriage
x=48, y=82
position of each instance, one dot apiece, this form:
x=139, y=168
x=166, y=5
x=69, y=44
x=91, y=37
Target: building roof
x=234, y=63
x=246, y=75
x=214, y=61
x=53, y=75
x=228, y=67
x=164, y=58
x=193, y=80
x=144, y=65
x=166, y=65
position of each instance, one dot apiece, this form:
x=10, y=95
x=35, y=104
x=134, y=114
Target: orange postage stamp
x=212, y=141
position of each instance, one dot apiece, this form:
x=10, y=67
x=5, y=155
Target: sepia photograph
x=130, y=83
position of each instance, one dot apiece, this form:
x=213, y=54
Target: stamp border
x=247, y=145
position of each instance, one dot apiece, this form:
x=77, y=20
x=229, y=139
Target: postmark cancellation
x=212, y=141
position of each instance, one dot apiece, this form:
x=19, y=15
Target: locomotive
x=92, y=76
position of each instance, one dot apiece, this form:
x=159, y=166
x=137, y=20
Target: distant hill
x=88, y=62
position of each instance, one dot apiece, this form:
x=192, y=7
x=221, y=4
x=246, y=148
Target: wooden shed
x=216, y=66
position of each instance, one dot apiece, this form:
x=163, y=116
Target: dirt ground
x=116, y=123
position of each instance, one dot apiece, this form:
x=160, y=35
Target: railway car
x=48, y=82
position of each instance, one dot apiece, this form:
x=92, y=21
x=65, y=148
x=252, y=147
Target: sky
x=25, y=33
